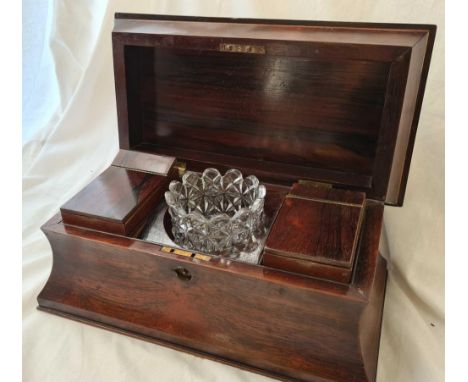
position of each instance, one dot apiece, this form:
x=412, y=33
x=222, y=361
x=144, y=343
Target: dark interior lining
x=295, y=113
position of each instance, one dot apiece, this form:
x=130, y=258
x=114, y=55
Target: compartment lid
x=316, y=232
x=285, y=100
x=119, y=199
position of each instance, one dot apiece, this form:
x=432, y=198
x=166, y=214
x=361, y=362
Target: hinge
x=181, y=252
x=181, y=167
x=314, y=183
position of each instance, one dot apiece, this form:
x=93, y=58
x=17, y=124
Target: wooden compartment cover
x=316, y=232
x=118, y=200
x=285, y=100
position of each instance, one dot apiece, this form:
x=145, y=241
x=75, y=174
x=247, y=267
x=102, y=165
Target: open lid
x=284, y=100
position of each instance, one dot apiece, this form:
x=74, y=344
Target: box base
x=285, y=326
x=185, y=349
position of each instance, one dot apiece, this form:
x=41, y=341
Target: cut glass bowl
x=217, y=214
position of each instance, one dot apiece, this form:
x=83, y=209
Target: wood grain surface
x=116, y=201
x=336, y=104
x=316, y=232
x=288, y=326
x=134, y=160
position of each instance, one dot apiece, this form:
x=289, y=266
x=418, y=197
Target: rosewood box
x=324, y=114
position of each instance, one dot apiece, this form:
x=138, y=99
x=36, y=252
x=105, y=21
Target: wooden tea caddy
x=287, y=101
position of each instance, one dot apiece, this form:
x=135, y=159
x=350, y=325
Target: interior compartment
x=158, y=227
x=131, y=203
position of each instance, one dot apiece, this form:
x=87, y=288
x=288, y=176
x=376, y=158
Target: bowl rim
x=256, y=206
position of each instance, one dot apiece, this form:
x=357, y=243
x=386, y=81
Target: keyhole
x=183, y=274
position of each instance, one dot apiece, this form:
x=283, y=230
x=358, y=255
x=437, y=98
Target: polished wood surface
x=265, y=31
x=316, y=232
x=302, y=266
x=319, y=103
x=284, y=325
x=116, y=201
x=329, y=194
x=134, y=160
x=211, y=102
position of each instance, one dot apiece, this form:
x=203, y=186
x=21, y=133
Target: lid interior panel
x=308, y=107
x=296, y=111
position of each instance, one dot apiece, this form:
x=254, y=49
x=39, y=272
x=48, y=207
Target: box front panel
x=294, y=332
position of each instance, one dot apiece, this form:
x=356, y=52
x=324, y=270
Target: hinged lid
x=316, y=232
x=285, y=100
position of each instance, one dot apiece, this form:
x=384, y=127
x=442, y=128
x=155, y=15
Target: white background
x=70, y=136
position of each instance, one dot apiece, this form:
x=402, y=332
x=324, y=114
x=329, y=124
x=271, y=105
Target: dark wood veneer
x=326, y=232
x=324, y=101
x=154, y=164
x=319, y=192
x=316, y=232
x=330, y=102
x=116, y=201
x=225, y=309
